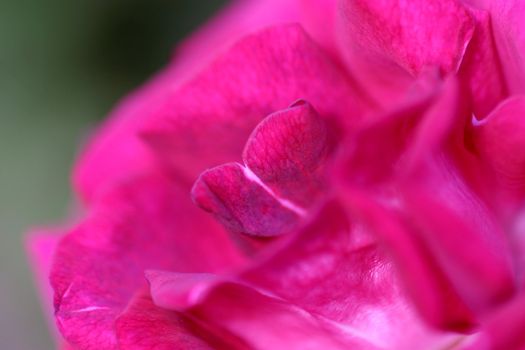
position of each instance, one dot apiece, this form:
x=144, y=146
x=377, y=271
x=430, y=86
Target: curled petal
x=241, y=203
x=287, y=150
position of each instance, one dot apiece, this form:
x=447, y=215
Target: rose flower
x=308, y=174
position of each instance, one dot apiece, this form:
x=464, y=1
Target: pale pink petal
x=147, y=222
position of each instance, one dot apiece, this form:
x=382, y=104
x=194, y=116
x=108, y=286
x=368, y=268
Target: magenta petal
x=429, y=288
x=451, y=219
x=228, y=305
x=426, y=230
x=503, y=330
x=237, y=19
x=319, y=17
x=41, y=246
x=208, y=120
x=100, y=265
x=426, y=213
x=481, y=68
x=509, y=34
x=143, y=325
x=115, y=150
x=287, y=150
x=499, y=139
x=404, y=32
x=241, y=203
x=395, y=142
x=387, y=42
x=332, y=271
x=336, y=270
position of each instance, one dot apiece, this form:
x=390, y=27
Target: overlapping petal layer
x=386, y=43
x=287, y=151
x=207, y=121
x=500, y=142
x=426, y=213
x=115, y=150
x=281, y=176
x=145, y=223
x=144, y=326
x=414, y=241
x=329, y=286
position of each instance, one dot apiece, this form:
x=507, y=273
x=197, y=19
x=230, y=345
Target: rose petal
x=509, y=35
x=319, y=18
x=237, y=19
x=208, y=120
x=335, y=269
x=287, y=150
x=503, y=330
x=481, y=67
x=449, y=216
x=274, y=323
x=430, y=289
x=499, y=139
x=414, y=126
x=387, y=42
x=143, y=325
x=331, y=270
x=41, y=246
x=115, y=150
x=426, y=213
x=147, y=222
x=240, y=203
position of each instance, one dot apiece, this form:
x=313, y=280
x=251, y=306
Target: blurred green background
x=63, y=64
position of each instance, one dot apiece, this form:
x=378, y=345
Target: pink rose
x=308, y=174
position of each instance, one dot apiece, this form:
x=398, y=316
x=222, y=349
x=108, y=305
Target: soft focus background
x=63, y=64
